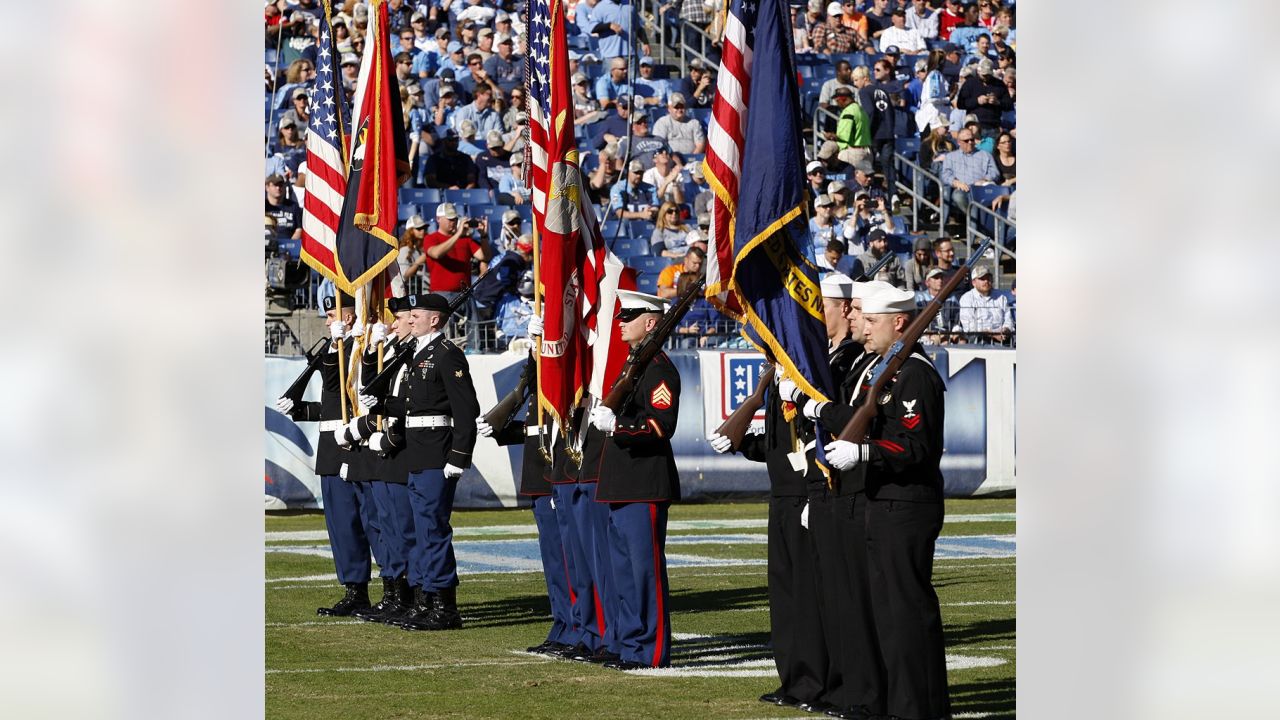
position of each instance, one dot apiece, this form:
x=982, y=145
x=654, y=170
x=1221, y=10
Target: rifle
x=299, y=385
x=501, y=414
x=380, y=383
x=650, y=346
x=856, y=429
x=735, y=427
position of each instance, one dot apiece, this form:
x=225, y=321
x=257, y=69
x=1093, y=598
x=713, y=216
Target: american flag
x=725, y=136
x=574, y=263
x=326, y=180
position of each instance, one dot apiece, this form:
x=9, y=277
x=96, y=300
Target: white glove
x=357, y=329
x=603, y=419
x=842, y=454
x=354, y=427
x=379, y=333
x=720, y=443
x=452, y=471
x=368, y=401
x=284, y=405
x=375, y=441
x=787, y=390
x=337, y=329
x=484, y=428
x=535, y=326
x=340, y=436
x=811, y=409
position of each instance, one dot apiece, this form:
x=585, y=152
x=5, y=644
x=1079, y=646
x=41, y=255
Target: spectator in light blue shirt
x=480, y=112
x=513, y=185
x=613, y=85
x=632, y=198
x=653, y=90
x=966, y=167
x=615, y=39
x=425, y=64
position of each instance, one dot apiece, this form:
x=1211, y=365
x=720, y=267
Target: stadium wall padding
x=979, y=430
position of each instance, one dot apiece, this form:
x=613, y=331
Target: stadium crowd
x=933, y=81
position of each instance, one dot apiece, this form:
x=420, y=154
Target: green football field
x=320, y=667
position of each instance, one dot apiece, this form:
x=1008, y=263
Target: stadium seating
x=625, y=247
x=649, y=263
x=420, y=195
x=647, y=283
x=473, y=196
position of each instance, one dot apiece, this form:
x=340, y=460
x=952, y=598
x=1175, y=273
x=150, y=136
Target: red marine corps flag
x=564, y=362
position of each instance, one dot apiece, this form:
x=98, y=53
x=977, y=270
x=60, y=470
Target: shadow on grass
x=994, y=699
x=715, y=600
x=514, y=610
x=981, y=631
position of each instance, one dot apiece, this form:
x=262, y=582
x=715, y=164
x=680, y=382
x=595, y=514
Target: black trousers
x=900, y=538
x=851, y=631
x=795, y=623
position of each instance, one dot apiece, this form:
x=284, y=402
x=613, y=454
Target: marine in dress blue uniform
x=639, y=482
x=556, y=565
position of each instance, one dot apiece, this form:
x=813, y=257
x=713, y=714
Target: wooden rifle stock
x=856, y=429
x=299, y=386
x=641, y=354
x=735, y=428
x=509, y=405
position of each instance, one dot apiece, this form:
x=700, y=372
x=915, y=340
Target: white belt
x=532, y=430
x=428, y=421
x=330, y=425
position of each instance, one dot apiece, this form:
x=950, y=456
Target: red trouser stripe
x=600, y=624
x=660, y=633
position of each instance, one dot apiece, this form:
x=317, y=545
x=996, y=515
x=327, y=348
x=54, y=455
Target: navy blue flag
x=777, y=288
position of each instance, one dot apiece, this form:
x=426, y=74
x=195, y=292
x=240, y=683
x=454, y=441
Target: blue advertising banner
x=979, y=432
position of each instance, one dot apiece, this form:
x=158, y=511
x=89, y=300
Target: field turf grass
x=339, y=668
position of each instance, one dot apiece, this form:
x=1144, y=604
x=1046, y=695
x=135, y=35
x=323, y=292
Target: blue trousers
x=637, y=543
x=395, y=525
x=571, y=514
x=349, y=518
x=431, y=564
x=555, y=569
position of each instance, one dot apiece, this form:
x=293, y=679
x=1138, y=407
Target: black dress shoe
x=816, y=706
x=356, y=598
x=624, y=665
x=568, y=653
x=780, y=698
x=599, y=657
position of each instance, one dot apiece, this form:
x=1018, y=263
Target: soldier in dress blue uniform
x=388, y=477
x=639, y=482
x=556, y=566
x=896, y=516
x=349, y=515
x=436, y=407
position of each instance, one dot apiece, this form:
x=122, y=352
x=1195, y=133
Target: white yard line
x=405, y=668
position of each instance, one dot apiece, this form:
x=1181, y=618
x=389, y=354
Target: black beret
x=428, y=301
x=347, y=301
x=398, y=304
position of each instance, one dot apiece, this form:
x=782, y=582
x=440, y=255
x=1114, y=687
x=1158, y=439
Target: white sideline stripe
x=981, y=602
x=968, y=715
x=403, y=668
x=672, y=527
x=315, y=622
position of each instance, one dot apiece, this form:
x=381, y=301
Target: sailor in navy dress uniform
x=437, y=408
x=564, y=632
x=388, y=476
x=795, y=614
x=348, y=512
x=639, y=482
x=902, y=513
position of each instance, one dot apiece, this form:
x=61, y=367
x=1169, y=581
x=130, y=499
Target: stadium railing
x=279, y=336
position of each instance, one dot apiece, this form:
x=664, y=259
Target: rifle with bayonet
x=739, y=421
x=856, y=429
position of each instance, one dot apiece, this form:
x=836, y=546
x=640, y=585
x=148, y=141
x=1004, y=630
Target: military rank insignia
x=458, y=373
x=912, y=418
x=661, y=396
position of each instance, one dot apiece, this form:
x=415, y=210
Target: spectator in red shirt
x=951, y=17
x=451, y=248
